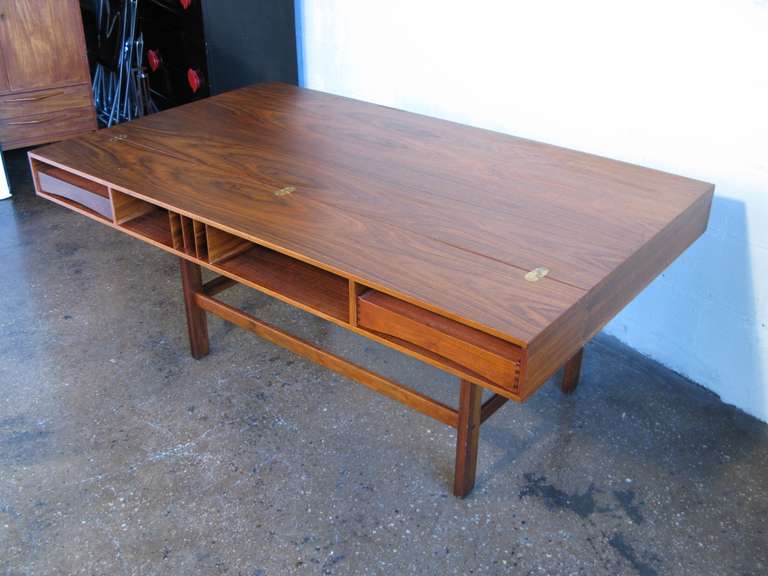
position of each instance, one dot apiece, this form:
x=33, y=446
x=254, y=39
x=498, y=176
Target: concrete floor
x=120, y=454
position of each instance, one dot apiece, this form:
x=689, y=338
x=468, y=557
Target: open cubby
x=141, y=217
x=73, y=190
x=297, y=281
x=273, y=272
x=222, y=245
x=153, y=225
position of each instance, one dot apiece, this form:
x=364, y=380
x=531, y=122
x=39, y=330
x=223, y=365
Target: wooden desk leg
x=197, y=322
x=571, y=373
x=467, y=436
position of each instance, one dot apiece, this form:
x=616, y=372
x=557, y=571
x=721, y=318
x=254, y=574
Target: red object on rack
x=185, y=3
x=153, y=57
x=193, y=78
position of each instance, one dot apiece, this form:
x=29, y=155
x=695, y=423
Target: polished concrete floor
x=120, y=454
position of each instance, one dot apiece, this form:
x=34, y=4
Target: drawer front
x=44, y=101
x=492, y=358
x=29, y=130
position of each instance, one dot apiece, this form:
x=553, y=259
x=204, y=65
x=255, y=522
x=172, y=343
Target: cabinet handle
x=33, y=98
x=23, y=122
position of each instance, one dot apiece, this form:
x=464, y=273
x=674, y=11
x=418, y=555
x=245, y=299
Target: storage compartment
x=222, y=245
x=47, y=127
x=152, y=225
x=188, y=236
x=143, y=218
x=280, y=275
x=73, y=190
x=44, y=101
x=412, y=327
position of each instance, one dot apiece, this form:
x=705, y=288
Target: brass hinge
x=536, y=274
x=284, y=191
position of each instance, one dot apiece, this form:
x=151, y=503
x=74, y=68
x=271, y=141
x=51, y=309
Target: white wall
x=679, y=85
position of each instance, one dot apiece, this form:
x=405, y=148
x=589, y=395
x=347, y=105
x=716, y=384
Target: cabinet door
x=4, y=86
x=42, y=43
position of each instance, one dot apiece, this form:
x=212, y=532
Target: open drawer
x=491, y=358
x=72, y=189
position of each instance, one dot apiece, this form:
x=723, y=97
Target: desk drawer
x=43, y=101
x=48, y=127
x=74, y=189
x=490, y=357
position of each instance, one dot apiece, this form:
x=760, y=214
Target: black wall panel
x=249, y=41
x=219, y=44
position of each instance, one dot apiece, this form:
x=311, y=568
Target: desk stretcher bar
x=367, y=218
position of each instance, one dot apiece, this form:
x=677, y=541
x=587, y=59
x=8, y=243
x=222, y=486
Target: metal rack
x=120, y=82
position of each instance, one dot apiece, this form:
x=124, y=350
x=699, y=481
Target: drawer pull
x=33, y=98
x=24, y=122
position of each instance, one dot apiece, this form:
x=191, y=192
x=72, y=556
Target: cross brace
x=471, y=413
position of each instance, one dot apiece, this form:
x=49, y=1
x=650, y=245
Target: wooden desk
x=491, y=257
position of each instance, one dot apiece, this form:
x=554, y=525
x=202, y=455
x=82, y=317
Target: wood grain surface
x=42, y=43
x=492, y=358
x=44, y=101
x=45, y=90
x=444, y=216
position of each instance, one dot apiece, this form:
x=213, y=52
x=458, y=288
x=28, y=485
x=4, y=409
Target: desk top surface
x=444, y=215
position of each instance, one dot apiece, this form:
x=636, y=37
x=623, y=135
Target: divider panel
x=174, y=220
x=201, y=240
x=188, y=235
x=223, y=245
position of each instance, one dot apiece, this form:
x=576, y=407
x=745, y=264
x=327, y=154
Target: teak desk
x=491, y=257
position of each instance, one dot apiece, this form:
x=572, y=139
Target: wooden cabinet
x=44, y=80
x=4, y=84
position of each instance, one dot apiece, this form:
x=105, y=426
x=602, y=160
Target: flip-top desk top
x=493, y=257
